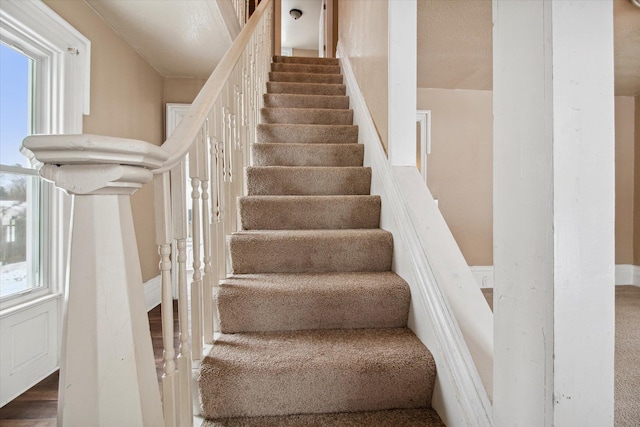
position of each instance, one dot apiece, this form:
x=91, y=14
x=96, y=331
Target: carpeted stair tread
x=306, y=88
x=307, y=134
x=312, y=319
x=308, y=212
x=279, y=76
x=289, y=67
x=289, y=302
x=293, y=100
x=315, y=371
x=422, y=417
x=315, y=116
x=306, y=60
x=311, y=155
x=310, y=251
x=302, y=180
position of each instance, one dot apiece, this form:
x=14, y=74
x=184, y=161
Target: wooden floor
x=37, y=407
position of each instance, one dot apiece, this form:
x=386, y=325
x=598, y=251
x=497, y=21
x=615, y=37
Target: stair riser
x=283, y=100
x=303, y=212
x=307, y=134
x=307, y=155
x=306, y=116
x=275, y=76
x=305, y=68
x=312, y=253
x=256, y=303
x=278, y=181
x=306, y=88
x=306, y=60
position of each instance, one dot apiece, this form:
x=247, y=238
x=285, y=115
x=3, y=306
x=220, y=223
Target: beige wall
x=126, y=101
x=309, y=53
x=363, y=33
x=459, y=169
x=179, y=91
x=636, y=210
x=625, y=118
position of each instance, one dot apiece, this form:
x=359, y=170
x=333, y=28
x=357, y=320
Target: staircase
x=313, y=321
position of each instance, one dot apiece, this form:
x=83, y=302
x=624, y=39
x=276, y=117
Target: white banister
x=107, y=366
x=191, y=124
x=215, y=133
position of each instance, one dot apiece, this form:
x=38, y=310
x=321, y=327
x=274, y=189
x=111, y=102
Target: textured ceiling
x=178, y=38
x=302, y=33
x=455, y=45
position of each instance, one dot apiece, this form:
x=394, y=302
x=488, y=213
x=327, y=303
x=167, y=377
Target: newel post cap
x=94, y=164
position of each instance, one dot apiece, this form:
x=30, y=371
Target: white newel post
x=107, y=369
x=553, y=213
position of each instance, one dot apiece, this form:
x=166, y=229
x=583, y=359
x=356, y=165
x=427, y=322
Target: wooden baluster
x=220, y=237
x=237, y=167
x=215, y=212
x=207, y=309
x=162, y=200
x=228, y=148
x=179, y=214
x=196, y=283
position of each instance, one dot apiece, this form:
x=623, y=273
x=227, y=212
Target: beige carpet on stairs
x=313, y=321
x=627, y=354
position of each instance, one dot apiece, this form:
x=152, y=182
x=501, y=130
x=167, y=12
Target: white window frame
x=64, y=88
x=63, y=58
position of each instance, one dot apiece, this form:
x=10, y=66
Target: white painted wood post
x=553, y=213
x=403, y=54
x=107, y=369
x=179, y=219
x=196, y=283
x=164, y=238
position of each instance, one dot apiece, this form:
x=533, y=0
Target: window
x=50, y=61
x=20, y=188
x=44, y=85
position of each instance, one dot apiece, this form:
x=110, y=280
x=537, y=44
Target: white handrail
x=178, y=143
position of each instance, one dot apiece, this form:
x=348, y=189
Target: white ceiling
x=178, y=38
x=455, y=45
x=302, y=33
x=188, y=38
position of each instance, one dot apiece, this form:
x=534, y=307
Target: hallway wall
x=625, y=130
x=460, y=172
x=126, y=101
x=459, y=169
x=363, y=32
x=636, y=198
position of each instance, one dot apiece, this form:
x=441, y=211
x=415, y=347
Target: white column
x=403, y=41
x=107, y=369
x=553, y=213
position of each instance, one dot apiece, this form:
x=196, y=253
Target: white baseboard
x=626, y=274
x=153, y=292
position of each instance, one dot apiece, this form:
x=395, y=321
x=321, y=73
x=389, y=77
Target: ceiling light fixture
x=295, y=13
x=636, y=3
